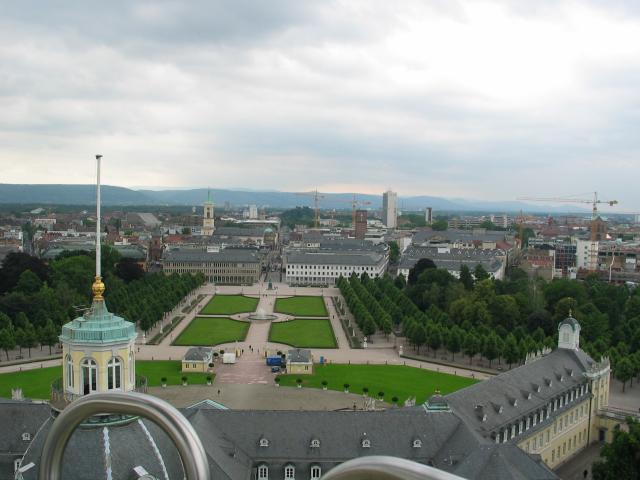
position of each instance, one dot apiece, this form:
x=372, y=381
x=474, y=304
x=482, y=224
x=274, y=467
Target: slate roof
x=489, y=259
x=231, y=255
x=16, y=418
x=198, y=354
x=329, y=258
x=517, y=384
x=139, y=443
x=299, y=355
x=239, y=232
x=453, y=235
x=232, y=443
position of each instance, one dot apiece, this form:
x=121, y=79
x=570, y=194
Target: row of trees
x=499, y=319
x=37, y=299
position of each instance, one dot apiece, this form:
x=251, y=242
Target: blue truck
x=274, y=361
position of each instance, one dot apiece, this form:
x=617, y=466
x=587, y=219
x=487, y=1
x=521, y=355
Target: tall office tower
x=253, y=212
x=361, y=224
x=428, y=215
x=390, y=209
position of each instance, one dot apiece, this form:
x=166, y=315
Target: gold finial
x=97, y=288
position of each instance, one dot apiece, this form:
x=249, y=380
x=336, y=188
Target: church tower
x=98, y=348
x=208, y=225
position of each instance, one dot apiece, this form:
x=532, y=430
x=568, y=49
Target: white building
x=586, y=254
x=324, y=268
x=451, y=259
x=390, y=209
x=253, y=212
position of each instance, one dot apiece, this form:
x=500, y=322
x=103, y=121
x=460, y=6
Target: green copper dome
x=98, y=326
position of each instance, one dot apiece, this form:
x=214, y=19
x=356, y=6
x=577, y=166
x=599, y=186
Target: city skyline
x=487, y=101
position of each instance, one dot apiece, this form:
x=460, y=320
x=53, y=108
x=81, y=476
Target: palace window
x=69, y=371
x=263, y=472
x=114, y=374
x=289, y=472
x=89, y=375
x=316, y=472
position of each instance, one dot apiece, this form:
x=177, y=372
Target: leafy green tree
x=620, y=458
x=48, y=335
x=454, y=342
x=510, y=352
x=490, y=348
x=394, y=252
x=435, y=337
x=14, y=264
x=480, y=273
x=624, y=370
x=422, y=265
x=440, y=225
x=29, y=338
x=5, y=320
x=471, y=345
x=28, y=283
x=128, y=269
x=400, y=282
x=7, y=341
x=418, y=337
x=466, y=278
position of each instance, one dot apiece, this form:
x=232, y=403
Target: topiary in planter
x=299, y=382
x=324, y=384
x=277, y=380
x=346, y=387
x=163, y=380
x=381, y=395
x=209, y=379
x=365, y=391
x=184, y=381
x=394, y=400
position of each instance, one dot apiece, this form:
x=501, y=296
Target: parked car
x=275, y=369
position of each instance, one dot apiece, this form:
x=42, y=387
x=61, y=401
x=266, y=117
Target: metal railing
x=386, y=468
x=177, y=427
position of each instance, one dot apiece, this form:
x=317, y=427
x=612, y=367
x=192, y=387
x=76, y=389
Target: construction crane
x=594, y=202
x=317, y=196
x=355, y=203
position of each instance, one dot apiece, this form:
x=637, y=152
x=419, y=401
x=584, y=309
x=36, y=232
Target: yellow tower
x=98, y=348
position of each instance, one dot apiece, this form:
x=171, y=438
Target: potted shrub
x=346, y=387
x=163, y=381
x=209, y=379
x=184, y=381
x=277, y=380
x=299, y=382
x=365, y=391
x=394, y=400
x=324, y=384
x=380, y=395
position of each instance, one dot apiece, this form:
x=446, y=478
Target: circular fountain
x=261, y=315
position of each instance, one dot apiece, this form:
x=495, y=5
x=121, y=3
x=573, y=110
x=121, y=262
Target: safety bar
x=386, y=468
x=181, y=432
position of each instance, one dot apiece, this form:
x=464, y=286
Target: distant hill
x=115, y=196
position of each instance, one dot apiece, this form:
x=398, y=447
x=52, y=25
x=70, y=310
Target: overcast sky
x=457, y=99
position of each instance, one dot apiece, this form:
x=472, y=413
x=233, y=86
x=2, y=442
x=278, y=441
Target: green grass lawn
x=302, y=306
x=37, y=383
x=230, y=305
x=394, y=380
x=211, y=331
x=155, y=370
x=303, y=333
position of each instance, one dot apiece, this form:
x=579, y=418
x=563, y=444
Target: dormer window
x=417, y=443
x=366, y=443
x=263, y=472
x=26, y=437
x=264, y=442
x=315, y=443
x=289, y=472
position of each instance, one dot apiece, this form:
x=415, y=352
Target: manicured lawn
x=303, y=333
x=302, y=306
x=34, y=383
x=37, y=383
x=230, y=305
x=212, y=331
x=155, y=370
x=394, y=380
